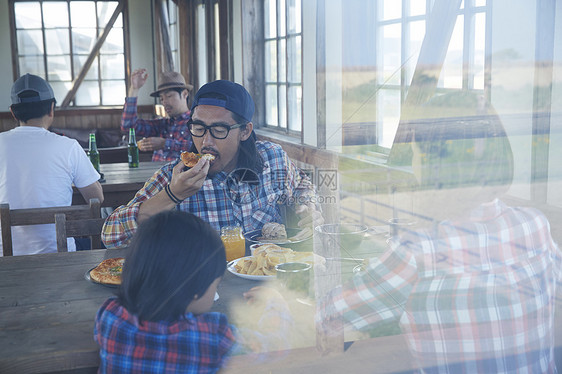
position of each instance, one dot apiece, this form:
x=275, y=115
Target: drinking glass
x=294, y=276
x=234, y=242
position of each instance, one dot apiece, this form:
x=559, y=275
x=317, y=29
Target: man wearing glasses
x=264, y=176
x=167, y=137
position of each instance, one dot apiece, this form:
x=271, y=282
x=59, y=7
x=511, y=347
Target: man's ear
x=13, y=115
x=246, y=131
x=185, y=96
x=52, y=111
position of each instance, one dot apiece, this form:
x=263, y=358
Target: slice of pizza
x=190, y=159
x=108, y=271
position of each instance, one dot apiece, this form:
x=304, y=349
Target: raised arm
x=138, y=79
x=152, y=199
x=120, y=226
x=183, y=184
x=143, y=128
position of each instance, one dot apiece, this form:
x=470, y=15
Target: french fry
x=253, y=266
x=246, y=266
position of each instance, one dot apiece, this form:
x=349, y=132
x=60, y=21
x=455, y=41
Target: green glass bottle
x=93, y=152
x=133, y=150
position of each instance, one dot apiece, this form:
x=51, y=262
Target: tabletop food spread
x=261, y=265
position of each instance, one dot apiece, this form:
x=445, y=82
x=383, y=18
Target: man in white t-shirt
x=38, y=167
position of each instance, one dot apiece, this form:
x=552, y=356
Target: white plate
x=230, y=268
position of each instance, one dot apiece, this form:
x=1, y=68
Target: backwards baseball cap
x=169, y=80
x=30, y=82
x=233, y=97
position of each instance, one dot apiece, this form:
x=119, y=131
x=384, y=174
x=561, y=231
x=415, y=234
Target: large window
x=283, y=77
x=54, y=40
x=375, y=85
x=400, y=30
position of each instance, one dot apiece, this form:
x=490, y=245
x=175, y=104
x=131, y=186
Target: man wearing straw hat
x=167, y=137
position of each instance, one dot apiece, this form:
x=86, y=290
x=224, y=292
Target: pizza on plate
x=108, y=271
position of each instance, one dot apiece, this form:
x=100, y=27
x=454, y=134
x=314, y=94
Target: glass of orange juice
x=234, y=242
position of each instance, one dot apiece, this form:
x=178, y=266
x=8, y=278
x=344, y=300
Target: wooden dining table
x=48, y=307
x=120, y=182
x=47, y=310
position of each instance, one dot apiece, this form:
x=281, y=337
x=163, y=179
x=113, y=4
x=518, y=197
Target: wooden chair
x=81, y=227
x=38, y=216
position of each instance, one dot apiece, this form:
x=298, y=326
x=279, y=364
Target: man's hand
x=138, y=79
x=183, y=185
x=186, y=183
x=151, y=144
x=310, y=217
x=261, y=294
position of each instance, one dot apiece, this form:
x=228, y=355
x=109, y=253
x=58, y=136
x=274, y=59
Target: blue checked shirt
x=281, y=183
x=192, y=344
x=174, y=130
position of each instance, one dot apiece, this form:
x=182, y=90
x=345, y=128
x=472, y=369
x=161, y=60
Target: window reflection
x=28, y=15
x=452, y=71
x=58, y=68
x=57, y=41
x=395, y=30
x=83, y=14
x=55, y=14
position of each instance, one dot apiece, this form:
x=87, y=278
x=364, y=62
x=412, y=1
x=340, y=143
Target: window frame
x=283, y=127
x=174, y=27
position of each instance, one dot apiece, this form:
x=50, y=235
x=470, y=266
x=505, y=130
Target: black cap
x=30, y=82
x=236, y=98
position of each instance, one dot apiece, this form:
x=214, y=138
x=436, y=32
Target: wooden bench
x=81, y=227
x=39, y=216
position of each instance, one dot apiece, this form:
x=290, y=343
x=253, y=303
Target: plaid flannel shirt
x=281, y=183
x=474, y=297
x=174, y=130
x=192, y=344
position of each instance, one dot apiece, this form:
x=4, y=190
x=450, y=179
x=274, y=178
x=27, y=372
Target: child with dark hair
x=160, y=320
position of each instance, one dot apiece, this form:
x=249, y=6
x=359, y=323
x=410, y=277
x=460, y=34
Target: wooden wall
x=103, y=118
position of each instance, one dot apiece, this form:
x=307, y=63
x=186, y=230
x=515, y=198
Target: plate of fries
x=240, y=267
x=261, y=265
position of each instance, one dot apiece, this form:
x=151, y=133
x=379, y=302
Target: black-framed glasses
x=217, y=131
